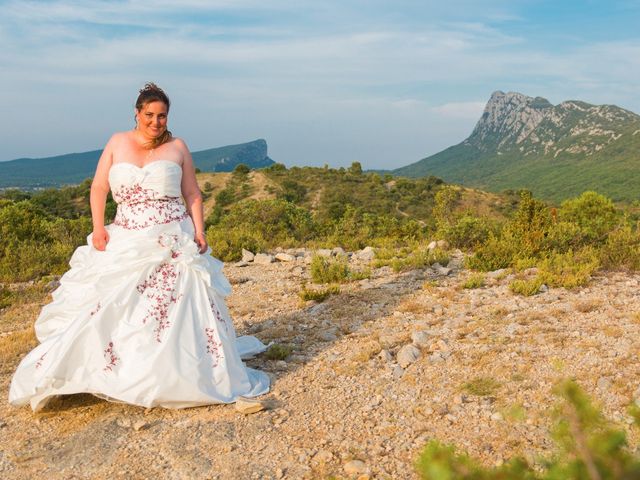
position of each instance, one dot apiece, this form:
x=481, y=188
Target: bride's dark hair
x=153, y=93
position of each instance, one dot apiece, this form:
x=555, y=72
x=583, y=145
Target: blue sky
x=381, y=82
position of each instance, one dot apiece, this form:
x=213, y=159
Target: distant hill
x=555, y=151
x=72, y=168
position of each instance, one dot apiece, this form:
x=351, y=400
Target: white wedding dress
x=143, y=322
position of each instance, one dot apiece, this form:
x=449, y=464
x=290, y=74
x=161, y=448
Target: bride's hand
x=201, y=241
x=100, y=238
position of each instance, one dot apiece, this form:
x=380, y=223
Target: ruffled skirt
x=143, y=322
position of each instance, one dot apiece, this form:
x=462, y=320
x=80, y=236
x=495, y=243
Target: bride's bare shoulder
x=121, y=137
x=179, y=143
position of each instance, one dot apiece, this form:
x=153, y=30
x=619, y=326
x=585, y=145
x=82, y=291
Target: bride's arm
x=98, y=198
x=192, y=196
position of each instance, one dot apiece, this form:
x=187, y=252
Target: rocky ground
x=376, y=371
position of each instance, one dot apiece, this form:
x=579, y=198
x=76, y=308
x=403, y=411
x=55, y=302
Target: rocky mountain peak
x=508, y=118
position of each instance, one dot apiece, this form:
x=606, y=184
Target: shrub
x=7, y=297
x=497, y=252
x=594, y=214
x=481, y=386
x=526, y=287
x=318, y=295
x=419, y=258
x=474, y=281
x=278, y=351
x=621, y=249
x=589, y=447
x=466, y=231
x=329, y=270
x=241, y=170
x=258, y=225
x=569, y=270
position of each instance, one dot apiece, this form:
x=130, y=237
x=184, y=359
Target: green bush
x=569, y=270
x=467, y=231
x=589, y=447
x=621, y=249
x=474, y=281
x=419, y=258
x=257, y=226
x=594, y=214
x=329, y=270
x=499, y=251
x=526, y=287
x=318, y=295
x=278, y=352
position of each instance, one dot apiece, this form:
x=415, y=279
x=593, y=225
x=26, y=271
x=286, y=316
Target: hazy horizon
x=337, y=82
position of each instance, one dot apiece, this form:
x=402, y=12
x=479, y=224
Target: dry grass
x=15, y=345
x=481, y=386
x=366, y=351
x=587, y=305
x=411, y=306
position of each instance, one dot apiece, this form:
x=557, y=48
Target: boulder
x=263, y=258
x=247, y=256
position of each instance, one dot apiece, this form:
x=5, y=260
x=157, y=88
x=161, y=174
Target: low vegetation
x=325, y=208
x=588, y=447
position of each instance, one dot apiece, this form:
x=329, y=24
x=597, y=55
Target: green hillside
x=73, y=168
x=557, y=152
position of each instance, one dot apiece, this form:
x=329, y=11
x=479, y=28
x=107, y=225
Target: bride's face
x=152, y=119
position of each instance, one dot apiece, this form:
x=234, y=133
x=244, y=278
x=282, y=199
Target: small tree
x=355, y=168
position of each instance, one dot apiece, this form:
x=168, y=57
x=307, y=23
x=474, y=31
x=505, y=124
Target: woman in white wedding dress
x=140, y=317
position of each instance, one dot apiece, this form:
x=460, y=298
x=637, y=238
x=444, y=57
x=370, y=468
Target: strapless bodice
x=132, y=184
x=148, y=195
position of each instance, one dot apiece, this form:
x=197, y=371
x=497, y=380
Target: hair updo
x=153, y=93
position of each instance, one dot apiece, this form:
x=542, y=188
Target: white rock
x=420, y=338
x=241, y=263
x=323, y=456
x=140, y=425
x=385, y=356
x=432, y=245
x=407, y=355
x=285, y=257
x=603, y=383
x=323, y=252
x=501, y=273
x=354, y=467
x=440, y=269
x=247, y=256
x=366, y=254
x=248, y=405
x=338, y=252
x=327, y=336
x=263, y=259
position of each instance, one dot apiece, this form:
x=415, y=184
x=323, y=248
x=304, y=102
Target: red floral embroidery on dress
x=214, y=347
x=159, y=289
x=216, y=313
x=39, y=362
x=95, y=310
x=138, y=208
x=111, y=358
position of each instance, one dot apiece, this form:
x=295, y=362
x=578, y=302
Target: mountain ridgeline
x=73, y=168
x=555, y=151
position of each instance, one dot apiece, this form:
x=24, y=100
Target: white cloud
x=374, y=79
x=466, y=110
